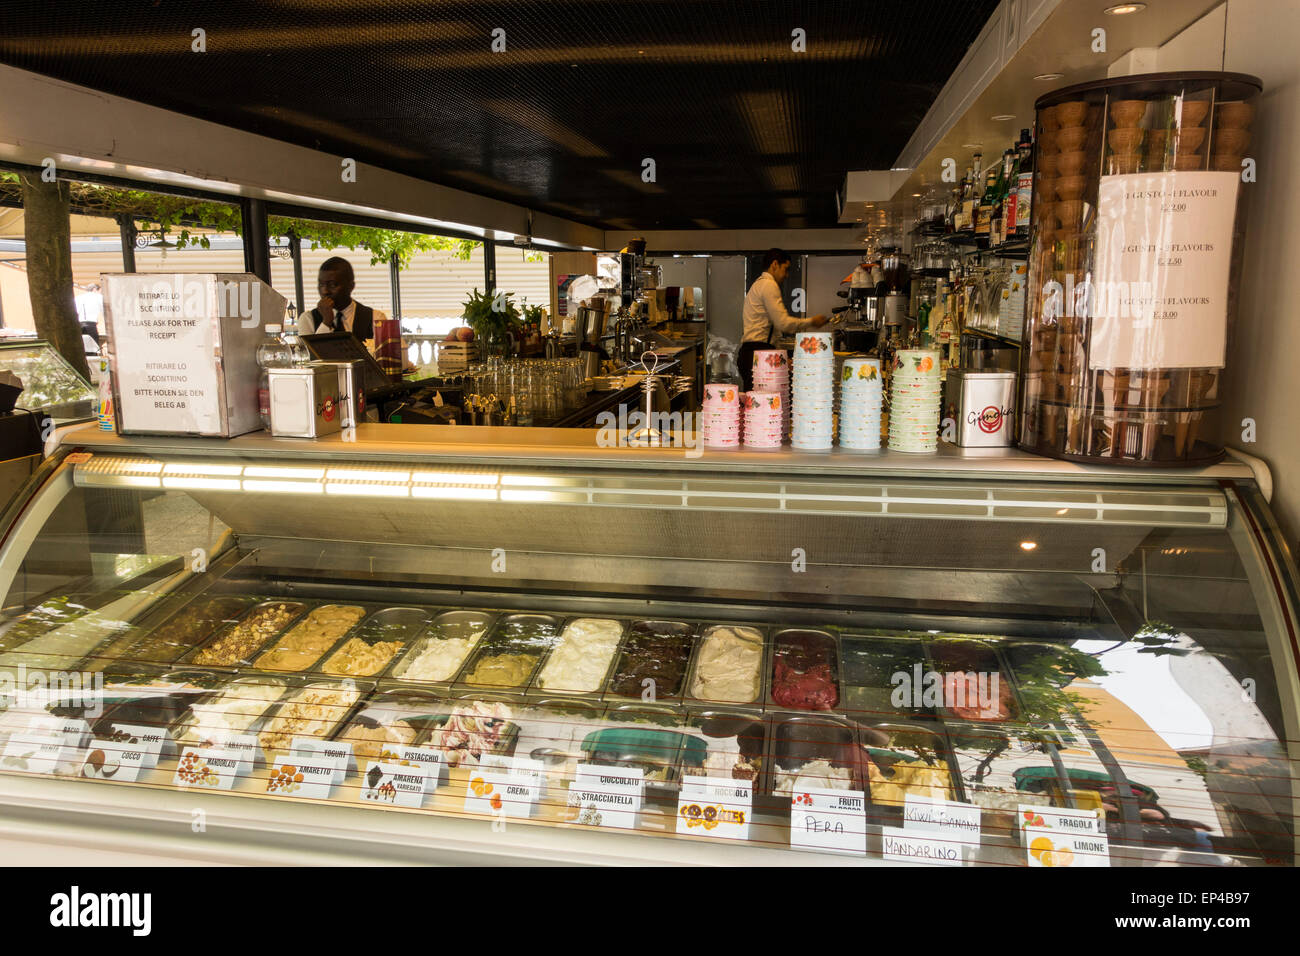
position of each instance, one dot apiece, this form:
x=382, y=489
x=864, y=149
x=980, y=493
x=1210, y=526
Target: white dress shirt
x=349, y=313
x=764, y=310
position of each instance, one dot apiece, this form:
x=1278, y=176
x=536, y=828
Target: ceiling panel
x=744, y=132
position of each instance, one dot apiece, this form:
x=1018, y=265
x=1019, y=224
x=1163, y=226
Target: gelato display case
x=378, y=649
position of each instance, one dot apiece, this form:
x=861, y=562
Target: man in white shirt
x=337, y=311
x=765, y=311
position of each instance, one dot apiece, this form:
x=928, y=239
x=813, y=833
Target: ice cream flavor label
x=74, y=731
x=911, y=846
x=113, y=759
x=333, y=752
x=714, y=808
x=35, y=753
x=428, y=757
x=956, y=820
x=208, y=768
x=502, y=793
x=244, y=746
x=1056, y=837
x=1047, y=847
x=311, y=776
x=149, y=739
x=394, y=785
x=832, y=820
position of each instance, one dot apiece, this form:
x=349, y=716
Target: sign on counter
x=36, y=753
x=1057, y=837
x=823, y=819
x=312, y=776
x=395, y=785
x=208, y=768
x=504, y=789
x=719, y=808
x=900, y=845
x=115, y=759
x=164, y=346
x=607, y=796
x=1164, y=245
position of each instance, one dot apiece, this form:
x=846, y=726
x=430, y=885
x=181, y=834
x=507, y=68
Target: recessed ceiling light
x=971, y=145
x=1049, y=77
x=1122, y=8
x=1028, y=545
x=914, y=195
x=1000, y=117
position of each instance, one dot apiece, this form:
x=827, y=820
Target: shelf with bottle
x=989, y=208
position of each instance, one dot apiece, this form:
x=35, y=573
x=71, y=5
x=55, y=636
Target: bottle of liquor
x=998, y=228
x=984, y=211
x=1011, y=198
x=971, y=195
x=1024, y=184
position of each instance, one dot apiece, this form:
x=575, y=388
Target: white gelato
x=729, y=663
x=814, y=775
x=581, y=658
x=233, y=709
x=440, y=658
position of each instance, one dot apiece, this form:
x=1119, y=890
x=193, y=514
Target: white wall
x=1259, y=37
x=725, y=296
x=823, y=281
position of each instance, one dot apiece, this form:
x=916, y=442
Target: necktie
x=338, y=321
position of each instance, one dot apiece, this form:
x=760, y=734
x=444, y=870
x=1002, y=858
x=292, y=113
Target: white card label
x=311, y=776
x=207, y=768
x=823, y=819
x=395, y=785
x=502, y=793
x=113, y=759
x=919, y=846
x=707, y=806
x=1056, y=837
x=1164, y=244
x=244, y=746
x=74, y=731
x=607, y=796
x=35, y=753
x=164, y=348
x=946, y=816
x=325, y=751
x=150, y=739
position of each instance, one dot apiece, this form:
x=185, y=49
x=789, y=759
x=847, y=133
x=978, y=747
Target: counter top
x=583, y=447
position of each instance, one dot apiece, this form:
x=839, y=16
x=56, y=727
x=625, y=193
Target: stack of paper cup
x=914, y=401
x=812, y=391
x=764, y=416
x=772, y=374
x=720, y=415
x=861, y=396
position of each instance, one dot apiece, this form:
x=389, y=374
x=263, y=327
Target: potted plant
x=494, y=319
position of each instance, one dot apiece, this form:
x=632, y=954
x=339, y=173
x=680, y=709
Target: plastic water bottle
x=271, y=353
x=298, y=351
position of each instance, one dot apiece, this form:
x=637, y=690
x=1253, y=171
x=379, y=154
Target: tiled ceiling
x=744, y=131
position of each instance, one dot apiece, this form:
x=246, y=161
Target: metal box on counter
x=183, y=350
x=305, y=400
x=981, y=404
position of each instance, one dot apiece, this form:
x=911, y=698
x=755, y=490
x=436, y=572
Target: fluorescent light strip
x=263, y=471
x=194, y=468
x=376, y=491
x=541, y=496
x=297, y=487
x=144, y=467
x=452, y=478
x=204, y=484
x=534, y=480
x=361, y=474
x=477, y=494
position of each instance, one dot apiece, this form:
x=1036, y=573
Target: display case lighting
x=276, y=471
x=453, y=478
x=454, y=492
x=296, y=487
x=200, y=483
x=362, y=474
x=193, y=468
x=367, y=489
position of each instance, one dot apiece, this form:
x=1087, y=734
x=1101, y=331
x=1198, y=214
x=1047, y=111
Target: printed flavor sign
x=1159, y=293
x=1056, y=837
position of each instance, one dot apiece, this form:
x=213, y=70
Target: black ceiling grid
x=744, y=132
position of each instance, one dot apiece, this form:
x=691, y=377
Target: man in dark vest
x=337, y=311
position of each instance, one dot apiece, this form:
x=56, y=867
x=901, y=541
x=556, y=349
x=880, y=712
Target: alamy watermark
x=950, y=690
x=637, y=429
x=40, y=688
x=167, y=306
